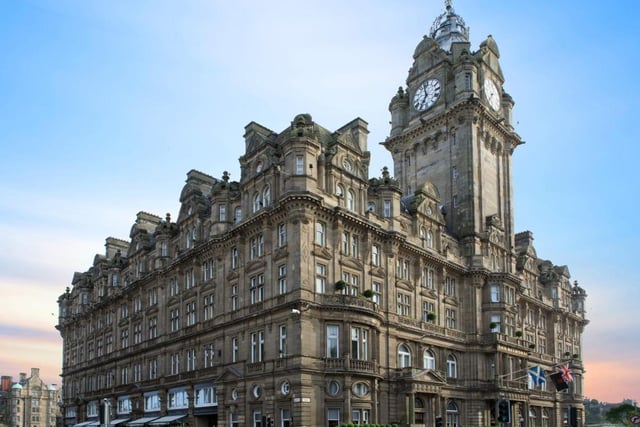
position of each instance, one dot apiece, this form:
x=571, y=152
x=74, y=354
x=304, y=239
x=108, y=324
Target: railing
x=255, y=367
x=347, y=301
x=349, y=364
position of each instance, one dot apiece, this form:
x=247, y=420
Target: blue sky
x=106, y=105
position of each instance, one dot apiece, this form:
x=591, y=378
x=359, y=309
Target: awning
x=118, y=421
x=83, y=424
x=93, y=424
x=166, y=420
x=141, y=421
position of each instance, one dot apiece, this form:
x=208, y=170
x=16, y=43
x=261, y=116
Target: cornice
x=451, y=117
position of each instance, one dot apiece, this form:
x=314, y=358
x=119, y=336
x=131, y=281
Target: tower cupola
x=449, y=28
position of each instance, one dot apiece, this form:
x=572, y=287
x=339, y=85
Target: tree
x=621, y=414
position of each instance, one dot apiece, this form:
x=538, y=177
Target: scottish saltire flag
x=567, y=374
x=537, y=375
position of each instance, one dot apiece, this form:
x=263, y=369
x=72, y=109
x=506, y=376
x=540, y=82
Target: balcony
x=351, y=365
x=346, y=301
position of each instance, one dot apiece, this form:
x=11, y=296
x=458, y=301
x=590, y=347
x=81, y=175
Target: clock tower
x=451, y=126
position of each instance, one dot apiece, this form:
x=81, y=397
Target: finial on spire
x=449, y=27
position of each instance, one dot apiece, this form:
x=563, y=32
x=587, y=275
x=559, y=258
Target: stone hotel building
x=309, y=294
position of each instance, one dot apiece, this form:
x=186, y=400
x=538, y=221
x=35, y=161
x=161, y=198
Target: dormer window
x=257, y=202
x=259, y=167
x=266, y=196
x=429, y=239
x=350, y=200
x=339, y=190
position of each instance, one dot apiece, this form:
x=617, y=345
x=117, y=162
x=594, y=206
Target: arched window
x=266, y=196
x=429, y=239
x=257, y=203
x=453, y=416
x=452, y=366
x=428, y=360
x=237, y=216
x=351, y=200
x=423, y=235
x=339, y=190
x=404, y=357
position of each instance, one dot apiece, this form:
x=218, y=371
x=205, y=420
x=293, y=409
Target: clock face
x=491, y=92
x=346, y=164
x=426, y=94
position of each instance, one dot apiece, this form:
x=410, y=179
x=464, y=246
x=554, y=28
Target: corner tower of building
x=451, y=126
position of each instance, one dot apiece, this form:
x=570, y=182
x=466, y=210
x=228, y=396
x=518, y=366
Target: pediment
x=280, y=253
x=254, y=265
x=378, y=272
x=230, y=374
x=403, y=284
x=322, y=252
x=431, y=376
x=351, y=263
x=428, y=376
x=451, y=301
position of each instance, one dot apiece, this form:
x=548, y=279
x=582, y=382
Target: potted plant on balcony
x=431, y=316
x=518, y=334
x=368, y=293
x=493, y=326
x=340, y=285
x=532, y=346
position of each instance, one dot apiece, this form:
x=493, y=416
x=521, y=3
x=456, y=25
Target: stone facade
x=29, y=402
x=308, y=294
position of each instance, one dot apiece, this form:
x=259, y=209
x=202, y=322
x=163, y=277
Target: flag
x=558, y=381
x=537, y=375
x=566, y=373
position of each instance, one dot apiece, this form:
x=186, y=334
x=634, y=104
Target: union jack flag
x=566, y=372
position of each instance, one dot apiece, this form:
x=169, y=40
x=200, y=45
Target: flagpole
x=562, y=362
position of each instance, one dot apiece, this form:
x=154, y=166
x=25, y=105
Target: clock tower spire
x=449, y=28
x=451, y=127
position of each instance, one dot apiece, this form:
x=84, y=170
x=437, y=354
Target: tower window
x=299, y=165
x=387, y=209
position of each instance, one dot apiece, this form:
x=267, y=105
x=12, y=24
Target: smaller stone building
x=30, y=402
